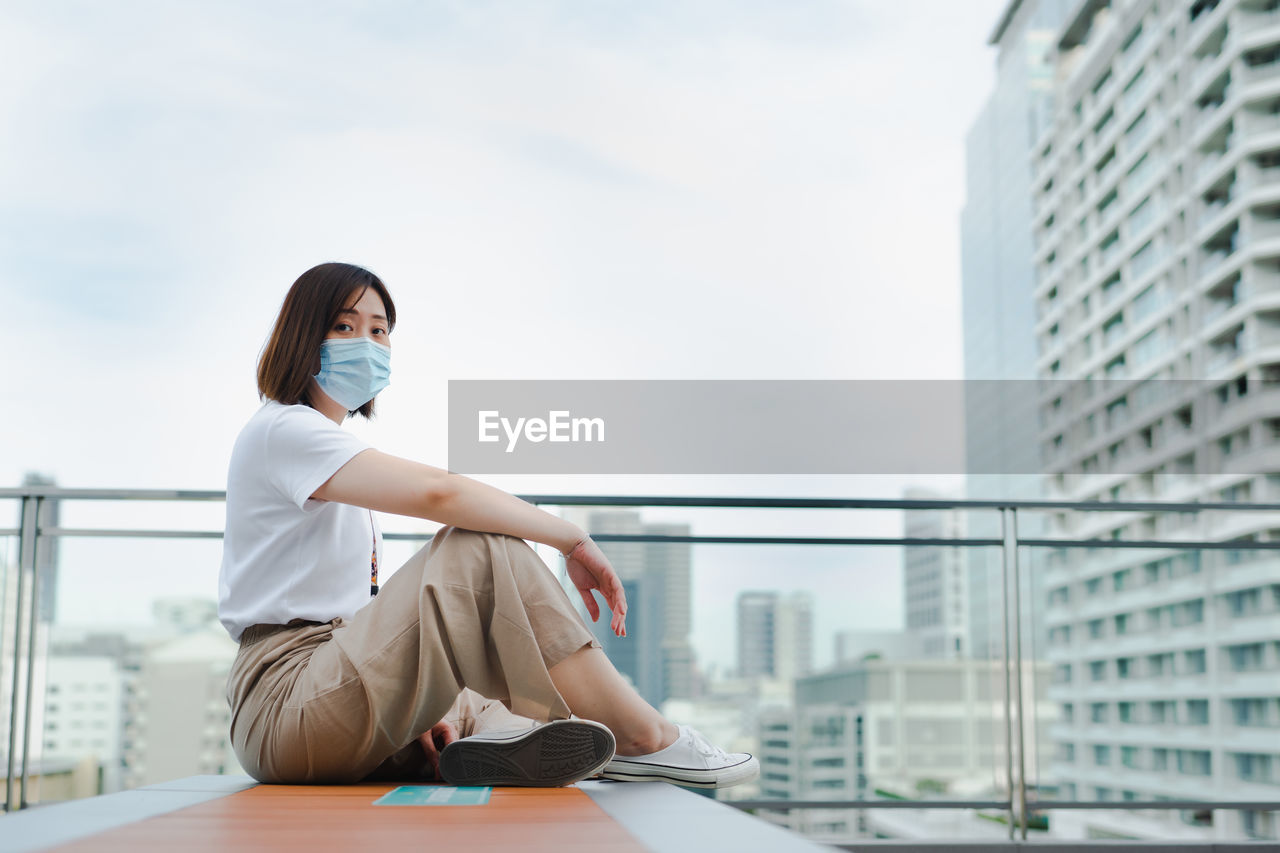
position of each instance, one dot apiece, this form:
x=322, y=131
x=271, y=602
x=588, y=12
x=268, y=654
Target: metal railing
x=33, y=534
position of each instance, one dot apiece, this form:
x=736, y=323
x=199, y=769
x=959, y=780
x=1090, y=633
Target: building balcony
x=1255, y=28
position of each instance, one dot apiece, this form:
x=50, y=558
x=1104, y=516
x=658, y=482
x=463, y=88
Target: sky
x=551, y=190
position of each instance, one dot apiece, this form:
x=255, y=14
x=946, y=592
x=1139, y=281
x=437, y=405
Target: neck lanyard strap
x=373, y=560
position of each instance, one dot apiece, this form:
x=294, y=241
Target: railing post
x=1018, y=673
x=32, y=625
x=1008, y=686
x=26, y=544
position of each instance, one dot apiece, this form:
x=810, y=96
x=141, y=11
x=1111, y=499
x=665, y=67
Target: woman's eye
x=379, y=331
x=343, y=327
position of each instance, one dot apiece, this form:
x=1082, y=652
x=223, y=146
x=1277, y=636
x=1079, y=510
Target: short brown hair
x=292, y=354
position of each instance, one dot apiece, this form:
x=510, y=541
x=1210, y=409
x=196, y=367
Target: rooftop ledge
x=218, y=813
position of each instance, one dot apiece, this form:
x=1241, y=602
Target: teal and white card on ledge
x=434, y=795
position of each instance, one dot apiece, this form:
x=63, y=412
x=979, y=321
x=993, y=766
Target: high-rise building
x=656, y=654
x=673, y=562
x=775, y=634
x=935, y=590
x=1156, y=213
x=997, y=291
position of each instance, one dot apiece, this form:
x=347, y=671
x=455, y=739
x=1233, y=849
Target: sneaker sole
x=557, y=753
x=723, y=777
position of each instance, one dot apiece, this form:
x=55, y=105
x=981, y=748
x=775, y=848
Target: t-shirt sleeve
x=304, y=449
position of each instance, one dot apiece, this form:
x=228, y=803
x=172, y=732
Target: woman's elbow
x=436, y=494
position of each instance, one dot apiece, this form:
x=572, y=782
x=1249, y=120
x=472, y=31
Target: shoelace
x=704, y=747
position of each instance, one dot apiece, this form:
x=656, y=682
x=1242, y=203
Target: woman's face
x=367, y=318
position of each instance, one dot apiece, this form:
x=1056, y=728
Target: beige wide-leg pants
x=345, y=700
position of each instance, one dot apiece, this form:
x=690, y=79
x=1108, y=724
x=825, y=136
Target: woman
x=339, y=680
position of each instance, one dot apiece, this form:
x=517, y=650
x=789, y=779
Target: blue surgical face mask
x=353, y=370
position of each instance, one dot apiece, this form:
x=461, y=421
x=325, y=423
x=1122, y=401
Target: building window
x=1244, y=602
x=1122, y=580
x=1143, y=259
x=1198, y=712
x=1189, y=613
x=1103, y=79
x=1194, y=762
x=1101, y=755
x=1115, y=369
x=1245, y=658
x=1098, y=670
x=1255, y=767
x=1194, y=662
x=1252, y=711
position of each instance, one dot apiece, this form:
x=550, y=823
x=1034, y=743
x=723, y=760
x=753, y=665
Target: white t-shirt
x=284, y=555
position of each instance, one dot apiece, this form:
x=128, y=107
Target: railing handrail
x=1032, y=805
x=714, y=502
x=31, y=532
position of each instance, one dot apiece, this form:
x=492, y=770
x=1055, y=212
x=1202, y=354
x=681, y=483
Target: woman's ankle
x=648, y=739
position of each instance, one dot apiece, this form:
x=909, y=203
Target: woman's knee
x=461, y=543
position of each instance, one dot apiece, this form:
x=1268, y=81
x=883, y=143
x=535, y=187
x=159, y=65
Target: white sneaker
x=556, y=753
x=692, y=760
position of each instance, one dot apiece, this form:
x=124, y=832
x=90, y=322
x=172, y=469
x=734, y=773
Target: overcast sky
x=719, y=190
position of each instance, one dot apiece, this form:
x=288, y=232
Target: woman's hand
x=589, y=569
x=441, y=735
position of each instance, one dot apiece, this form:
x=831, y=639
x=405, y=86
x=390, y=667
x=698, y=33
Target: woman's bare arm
x=388, y=483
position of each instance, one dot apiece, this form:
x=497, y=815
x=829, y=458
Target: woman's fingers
x=590, y=601
x=427, y=740
x=590, y=570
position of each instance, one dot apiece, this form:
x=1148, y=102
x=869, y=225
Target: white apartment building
x=912, y=728
x=83, y=714
x=934, y=581
x=1156, y=198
